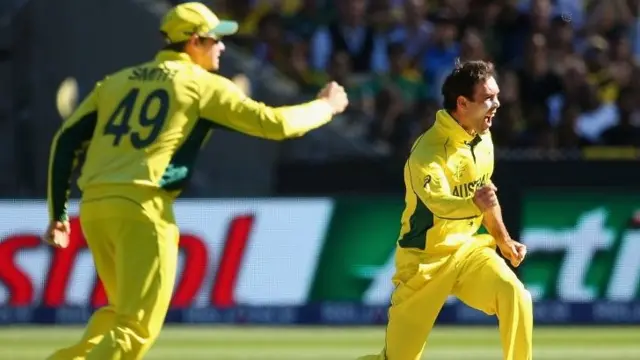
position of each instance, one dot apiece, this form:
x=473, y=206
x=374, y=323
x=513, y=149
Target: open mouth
x=489, y=119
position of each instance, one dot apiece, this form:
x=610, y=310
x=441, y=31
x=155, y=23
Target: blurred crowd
x=567, y=68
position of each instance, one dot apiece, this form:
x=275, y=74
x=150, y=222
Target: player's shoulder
x=429, y=146
x=125, y=74
x=206, y=82
x=215, y=89
x=210, y=79
x=487, y=138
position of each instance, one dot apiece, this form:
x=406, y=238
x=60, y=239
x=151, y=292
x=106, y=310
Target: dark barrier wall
x=513, y=179
x=53, y=40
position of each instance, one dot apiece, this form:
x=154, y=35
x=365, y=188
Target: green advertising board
x=357, y=260
x=583, y=245
x=358, y=247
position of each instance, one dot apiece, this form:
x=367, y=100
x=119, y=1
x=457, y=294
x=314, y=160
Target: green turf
x=293, y=343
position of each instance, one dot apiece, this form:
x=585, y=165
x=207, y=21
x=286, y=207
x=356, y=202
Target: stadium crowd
x=567, y=69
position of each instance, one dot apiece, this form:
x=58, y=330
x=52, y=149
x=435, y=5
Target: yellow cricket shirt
x=144, y=125
x=444, y=168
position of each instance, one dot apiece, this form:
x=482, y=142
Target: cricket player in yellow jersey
x=449, y=195
x=142, y=128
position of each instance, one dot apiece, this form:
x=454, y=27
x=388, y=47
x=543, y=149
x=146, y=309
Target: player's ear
x=194, y=40
x=462, y=102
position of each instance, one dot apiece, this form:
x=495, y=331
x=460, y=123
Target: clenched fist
x=513, y=251
x=57, y=234
x=485, y=197
x=334, y=94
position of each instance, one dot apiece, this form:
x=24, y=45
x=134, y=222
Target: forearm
x=68, y=143
x=494, y=223
x=61, y=161
x=297, y=120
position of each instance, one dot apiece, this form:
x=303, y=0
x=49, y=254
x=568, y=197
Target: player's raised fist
x=334, y=94
x=485, y=197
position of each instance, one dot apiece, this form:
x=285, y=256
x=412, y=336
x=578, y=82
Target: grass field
x=247, y=343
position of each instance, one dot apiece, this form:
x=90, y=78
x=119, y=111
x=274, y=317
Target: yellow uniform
x=142, y=128
x=439, y=253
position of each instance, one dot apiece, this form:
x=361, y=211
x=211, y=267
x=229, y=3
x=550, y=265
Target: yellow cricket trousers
x=133, y=239
x=477, y=276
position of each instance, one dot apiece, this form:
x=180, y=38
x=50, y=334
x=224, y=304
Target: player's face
x=214, y=52
x=206, y=53
x=482, y=109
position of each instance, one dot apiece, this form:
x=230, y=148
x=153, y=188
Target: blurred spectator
x=384, y=14
x=442, y=52
x=596, y=114
x=573, y=78
x=271, y=42
x=389, y=111
x=472, y=47
x=627, y=132
x=568, y=138
x=401, y=76
x=561, y=63
x=415, y=31
x=571, y=11
x=537, y=82
x=516, y=26
x=540, y=17
x=299, y=69
x=458, y=8
x=483, y=17
x=341, y=70
x=396, y=94
x=561, y=44
x=303, y=23
x=247, y=13
x=621, y=58
x=350, y=33
x=606, y=17
x=509, y=122
x=600, y=73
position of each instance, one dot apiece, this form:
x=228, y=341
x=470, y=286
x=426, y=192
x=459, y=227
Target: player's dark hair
x=181, y=45
x=463, y=79
x=177, y=47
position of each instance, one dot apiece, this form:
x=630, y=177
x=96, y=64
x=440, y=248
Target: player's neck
x=461, y=121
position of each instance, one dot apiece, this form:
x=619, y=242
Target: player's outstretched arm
x=72, y=137
x=224, y=103
x=430, y=184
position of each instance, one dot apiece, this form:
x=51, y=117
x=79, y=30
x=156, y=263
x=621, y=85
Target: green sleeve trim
x=68, y=145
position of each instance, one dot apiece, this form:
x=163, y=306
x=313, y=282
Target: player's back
x=146, y=122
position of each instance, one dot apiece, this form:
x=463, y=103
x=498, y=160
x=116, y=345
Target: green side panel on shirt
x=420, y=222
